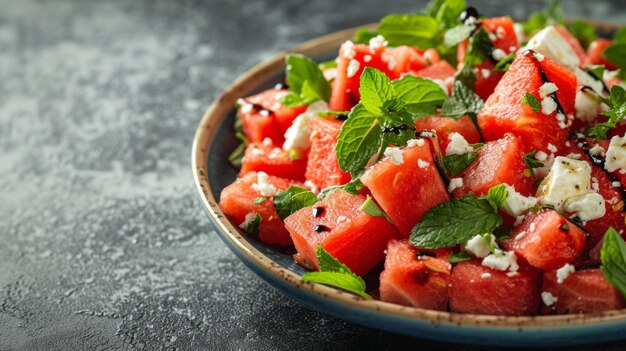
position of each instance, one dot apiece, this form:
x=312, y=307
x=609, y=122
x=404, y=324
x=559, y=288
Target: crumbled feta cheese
x=377, y=42
x=532, y=227
x=485, y=72
x=309, y=184
x=539, y=57
x=585, y=79
x=264, y=113
x=518, y=220
x=616, y=184
x=421, y=163
x=395, y=154
x=247, y=219
x=587, y=106
x=501, y=261
x=541, y=156
x=498, y=54
x=353, y=68
x=414, y=142
x=267, y=142
x=564, y=272
x=458, y=145
x=587, y=207
x=547, y=89
x=516, y=204
x=485, y=275
x=347, y=50
x=552, y=148
x=263, y=186
x=549, y=42
x=548, y=161
x=246, y=108
x=574, y=156
x=391, y=63
x=367, y=58
x=257, y=152
x=548, y=105
x=616, y=154
x=479, y=246
x=492, y=36
x=455, y=183
x=567, y=178
x=548, y=299
x=297, y=136
x=597, y=150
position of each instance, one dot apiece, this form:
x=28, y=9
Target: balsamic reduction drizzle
x=421, y=253
x=396, y=129
x=321, y=228
x=341, y=117
x=587, y=265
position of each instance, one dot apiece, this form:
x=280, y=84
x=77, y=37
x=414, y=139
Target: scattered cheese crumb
x=552, y=148
x=478, y=245
x=548, y=299
x=515, y=203
x=455, y=183
x=353, y=68
x=377, y=42
x=367, y=58
x=597, y=150
x=539, y=57
x=547, y=89
x=548, y=105
x=395, y=154
x=298, y=135
x=458, y=145
x=421, y=163
x=587, y=207
x=247, y=219
x=263, y=186
x=541, y=156
x=498, y=54
x=564, y=272
x=391, y=62
x=616, y=154
x=414, y=142
x=501, y=260
x=485, y=275
x=347, y=50
x=267, y=142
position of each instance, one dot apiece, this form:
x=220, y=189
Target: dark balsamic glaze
x=467, y=13
x=318, y=211
x=600, y=161
x=544, y=78
x=341, y=117
x=435, y=151
x=587, y=265
x=321, y=228
x=397, y=130
x=421, y=253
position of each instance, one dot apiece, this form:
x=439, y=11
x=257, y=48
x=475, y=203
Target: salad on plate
x=461, y=163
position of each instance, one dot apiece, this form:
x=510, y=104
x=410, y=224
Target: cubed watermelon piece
x=504, y=111
x=406, y=59
x=355, y=238
x=573, y=43
x=264, y=116
x=415, y=277
x=408, y=190
x=498, y=162
x=273, y=160
x=477, y=289
x=322, y=167
x=445, y=126
x=583, y=291
x=441, y=70
x=546, y=240
x=236, y=203
x=595, y=53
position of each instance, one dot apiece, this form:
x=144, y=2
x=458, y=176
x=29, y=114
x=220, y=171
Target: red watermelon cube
x=322, y=167
x=350, y=235
x=266, y=157
x=415, y=277
x=445, y=126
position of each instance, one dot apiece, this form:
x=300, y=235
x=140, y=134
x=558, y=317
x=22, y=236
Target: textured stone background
x=103, y=243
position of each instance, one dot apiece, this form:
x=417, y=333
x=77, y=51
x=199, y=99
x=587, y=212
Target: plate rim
x=201, y=146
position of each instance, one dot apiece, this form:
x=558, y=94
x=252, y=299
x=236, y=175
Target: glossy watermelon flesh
x=504, y=111
x=322, y=167
x=481, y=290
x=268, y=117
x=584, y=291
x=595, y=53
x=546, y=240
x=353, y=237
x=236, y=202
x=406, y=59
x=415, y=277
x=273, y=160
x=444, y=126
x=498, y=162
x=407, y=191
x=441, y=70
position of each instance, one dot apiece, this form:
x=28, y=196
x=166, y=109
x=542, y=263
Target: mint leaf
x=422, y=96
x=413, y=30
x=497, y=196
x=446, y=12
x=532, y=101
x=291, y=200
x=396, y=123
x=327, y=64
x=305, y=80
x=454, y=222
x=584, y=31
x=375, y=88
x=457, y=34
x=455, y=164
x=352, y=187
x=336, y=274
x=259, y=200
x=504, y=64
x=539, y=20
x=253, y=226
x=613, y=258
x=236, y=157
x=464, y=101
x=531, y=162
x=359, y=139
x=363, y=35
x=371, y=208
x=332, y=113
x=459, y=257
x=597, y=71
x=478, y=49
x=616, y=113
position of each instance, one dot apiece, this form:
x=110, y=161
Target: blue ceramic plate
x=214, y=141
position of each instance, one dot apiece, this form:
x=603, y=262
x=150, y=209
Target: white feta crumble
x=414, y=142
x=501, y=261
x=264, y=113
x=458, y=145
x=247, y=219
x=455, y=183
x=517, y=204
x=616, y=154
x=297, y=136
x=597, y=150
x=391, y=62
x=485, y=72
x=547, y=89
x=585, y=79
x=309, y=184
x=367, y=58
x=549, y=42
x=267, y=142
x=587, y=207
x=564, y=272
x=552, y=148
x=541, y=156
x=492, y=36
x=395, y=155
x=548, y=105
x=485, y=275
x=567, y=178
x=498, y=54
x=257, y=152
x=377, y=42
x=616, y=184
x=347, y=50
x=479, y=246
x=421, y=163
x=246, y=108
x=353, y=68
x=539, y=57
x=263, y=186
x=587, y=106
x=547, y=298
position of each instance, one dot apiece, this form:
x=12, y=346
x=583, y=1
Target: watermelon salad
x=457, y=162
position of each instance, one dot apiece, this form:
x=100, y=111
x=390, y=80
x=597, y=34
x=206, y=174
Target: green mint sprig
x=306, y=81
x=292, y=199
x=616, y=113
x=532, y=101
x=531, y=162
x=613, y=260
x=455, y=164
